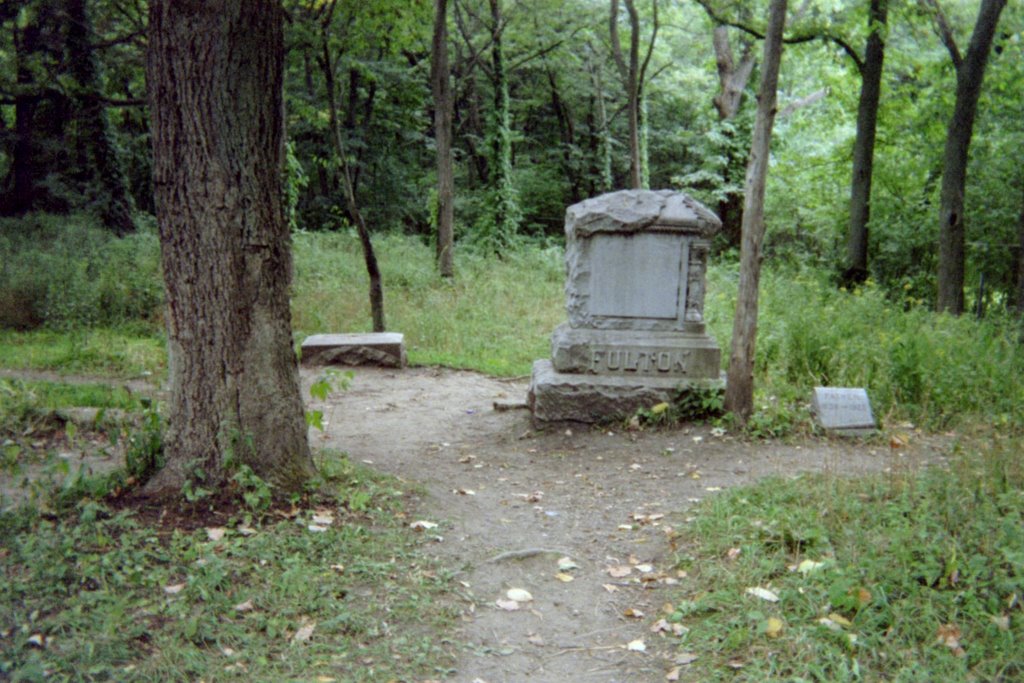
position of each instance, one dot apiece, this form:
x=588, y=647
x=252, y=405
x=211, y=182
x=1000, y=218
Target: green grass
x=904, y=559
x=119, y=352
x=90, y=595
x=496, y=316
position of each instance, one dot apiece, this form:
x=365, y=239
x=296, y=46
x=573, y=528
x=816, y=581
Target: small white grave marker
x=845, y=411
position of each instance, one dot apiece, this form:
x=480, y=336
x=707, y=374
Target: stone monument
x=635, y=265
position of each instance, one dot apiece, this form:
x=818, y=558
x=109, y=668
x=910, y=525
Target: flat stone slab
x=558, y=396
x=385, y=349
x=843, y=410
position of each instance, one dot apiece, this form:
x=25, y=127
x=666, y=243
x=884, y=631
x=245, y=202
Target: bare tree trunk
x=443, y=106
x=215, y=74
x=739, y=392
x=116, y=203
x=603, y=136
x=732, y=79
x=348, y=187
x=970, y=72
x=506, y=205
x=864, y=145
x=630, y=76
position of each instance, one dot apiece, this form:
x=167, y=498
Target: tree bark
x=970, y=72
x=443, y=106
x=215, y=73
x=864, y=145
x=739, y=392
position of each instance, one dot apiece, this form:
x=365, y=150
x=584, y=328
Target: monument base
x=386, y=349
x=556, y=396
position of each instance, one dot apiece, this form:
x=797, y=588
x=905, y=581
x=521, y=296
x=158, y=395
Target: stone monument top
x=628, y=211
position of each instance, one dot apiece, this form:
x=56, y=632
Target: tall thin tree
x=970, y=72
x=739, y=392
x=444, y=105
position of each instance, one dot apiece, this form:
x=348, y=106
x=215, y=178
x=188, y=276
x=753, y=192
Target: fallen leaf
x=215, y=533
x=323, y=519
x=773, y=627
x=174, y=588
x=465, y=492
x=762, y=593
x=519, y=595
x=566, y=564
x=535, y=639
x=949, y=635
x=863, y=596
x=422, y=525
x=840, y=619
x=808, y=566
x=619, y=571
x=713, y=489
x=316, y=528
x=227, y=652
x=1002, y=622
x=625, y=527
x=686, y=658
x=466, y=459
x=37, y=640
x=244, y=606
x=830, y=625
x=246, y=530
x=609, y=587
x=633, y=613
x=636, y=466
x=304, y=633
x=508, y=605
x=733, y=553
x=661, y=626
x=659, y=408
x=672, y=675
x=736, y=663
x=645, y=568
x=338, y=568
x=563, y=577
x=636, y=646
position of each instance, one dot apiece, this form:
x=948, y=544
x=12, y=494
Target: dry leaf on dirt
x=685, y=658
x=507, y=605
x=645, y=568
x=609, y=587
x=519, y=595
x=636, y=646
x=535, y=639
x=619, y=571
x=422, y=525
x=563, y=577
x=304, y=633
x=672, y=675
x=566, y=564
x=215, y=533
x=762, y=593
x=465, y=492
x=633, y=613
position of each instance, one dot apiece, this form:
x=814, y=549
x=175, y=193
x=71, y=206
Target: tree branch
x=945, y=31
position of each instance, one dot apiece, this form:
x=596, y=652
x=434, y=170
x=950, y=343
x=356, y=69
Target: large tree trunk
x=115, y=202
x=864, y=145
x=441, y=83
x=969, y=75
x=215, y=74
x=739, y=392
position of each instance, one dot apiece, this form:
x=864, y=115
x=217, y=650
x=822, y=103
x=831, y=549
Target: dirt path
x=512, y=501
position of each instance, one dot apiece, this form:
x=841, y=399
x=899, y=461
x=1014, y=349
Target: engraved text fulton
x=644, y=362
